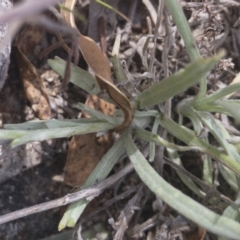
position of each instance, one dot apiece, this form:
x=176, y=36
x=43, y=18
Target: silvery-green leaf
x=176, y=199
x=177, y=82
x=24, y=136
x=191, y=139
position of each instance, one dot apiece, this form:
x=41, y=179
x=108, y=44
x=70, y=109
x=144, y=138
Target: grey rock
x=6, y=49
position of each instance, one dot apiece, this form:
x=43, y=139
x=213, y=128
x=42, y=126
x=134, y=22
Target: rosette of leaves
x=198, y=109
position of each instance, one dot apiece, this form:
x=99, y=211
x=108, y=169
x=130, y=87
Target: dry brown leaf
x=198, y=234
x=33, y=87
x=85, y=151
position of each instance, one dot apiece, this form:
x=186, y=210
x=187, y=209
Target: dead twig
x=156, y=34
x=127, y=214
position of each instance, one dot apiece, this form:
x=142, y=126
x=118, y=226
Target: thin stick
x=159, y=19
x=102, y=35
x=168, y=104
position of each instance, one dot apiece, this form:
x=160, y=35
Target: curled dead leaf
x=100, y=66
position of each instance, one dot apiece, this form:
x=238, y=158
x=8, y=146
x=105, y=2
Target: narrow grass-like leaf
x=176, y=199
x=227, y=107
x=232, y=212
x=178, y=82
x=117, y=67
x=148, y=113
x=231, y=106
x=229, y=177
x=210, y=107
x=219, y=133
x=99, y=173
x=207, y=168
x=151, y=137
x=180, y=20
x=185, y=109
x=47, y=124
x=11, y=134
x=191, y=139
x=152, y=146
x=28, y=125
x=79, y=77
x=24, y=136
x=220, y=93
x=120, y=75
x=94, y=113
